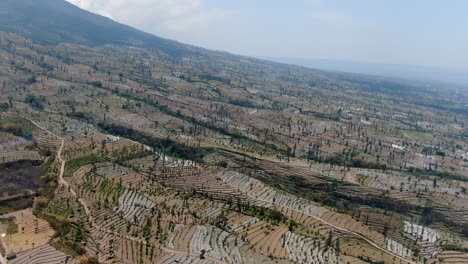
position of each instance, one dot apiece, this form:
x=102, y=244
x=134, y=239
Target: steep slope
x=57, y=21
x=54, y=21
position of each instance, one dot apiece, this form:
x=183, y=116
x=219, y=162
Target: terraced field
x=42, y=255
x=31, y=232
x=127, y=152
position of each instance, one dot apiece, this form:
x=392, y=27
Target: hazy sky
x=421, y=32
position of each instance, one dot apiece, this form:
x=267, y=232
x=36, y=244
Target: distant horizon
x=429, y=33
x=358, y=61
x=412, y=72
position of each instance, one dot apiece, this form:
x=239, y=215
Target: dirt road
x=63, y=182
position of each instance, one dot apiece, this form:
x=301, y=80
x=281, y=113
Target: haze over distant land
x=421, y=32
x=410, y=72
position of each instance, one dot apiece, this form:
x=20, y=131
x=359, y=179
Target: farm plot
x=395, y=240
x=104, y=244
x=398, y=248
x=348, y=223
x=453, y=207
x=237, y=221
x=426, y=238
x=46, y=140
x=91, y=185
x=196, y=179
x=128, y=214
x=259, y=191
x=453, y=257
x=185, y=259
x=11, y=156
x=118, y=191
x=43, y=255
x=175, y=231
x=355, y=247
x=158, y=163
x=132, y=205
x=134, y=251
x=313, y=225
x=84, y=145
x=65, y=127
x=354, y=250
x=302, y=249
x=108, y=169
x=110, y=179
x=291, y=206
x=13, y=148
x=146, y=164
x=210, y=213
x=214, y=243
x=421, y=233
x=406, y=182
x=32, y=232
x=222, y=245
x=123, y=144
x=217, y=244
x=9, y=141
x=180, y=237
x=263, y=237
x=64, y=205
x=114, y=240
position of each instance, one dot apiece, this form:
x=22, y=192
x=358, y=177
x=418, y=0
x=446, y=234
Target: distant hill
x=55, y=21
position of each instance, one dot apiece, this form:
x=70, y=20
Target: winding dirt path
x=341, y=229
x=60, y=179
x=63, y=182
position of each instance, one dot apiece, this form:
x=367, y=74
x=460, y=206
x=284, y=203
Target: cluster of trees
x=440, y=174
x=270, y=215
x=209, y=77
x=74, y=164
x=166, y=145
x=17, y=126
x=68, y=236
x=4, y=106
x=35, y=101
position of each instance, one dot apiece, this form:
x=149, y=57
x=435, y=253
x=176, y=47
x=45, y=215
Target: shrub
x=34, y=101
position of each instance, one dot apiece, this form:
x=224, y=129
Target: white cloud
x=178, y=19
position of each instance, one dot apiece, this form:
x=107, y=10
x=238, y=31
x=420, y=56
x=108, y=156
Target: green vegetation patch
x=74, y=164
x=272, y=216
x=11, y=227
x=68, y=235
x=17, y=126
x=440, y=174
x=35, y=101
x=166, y=145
